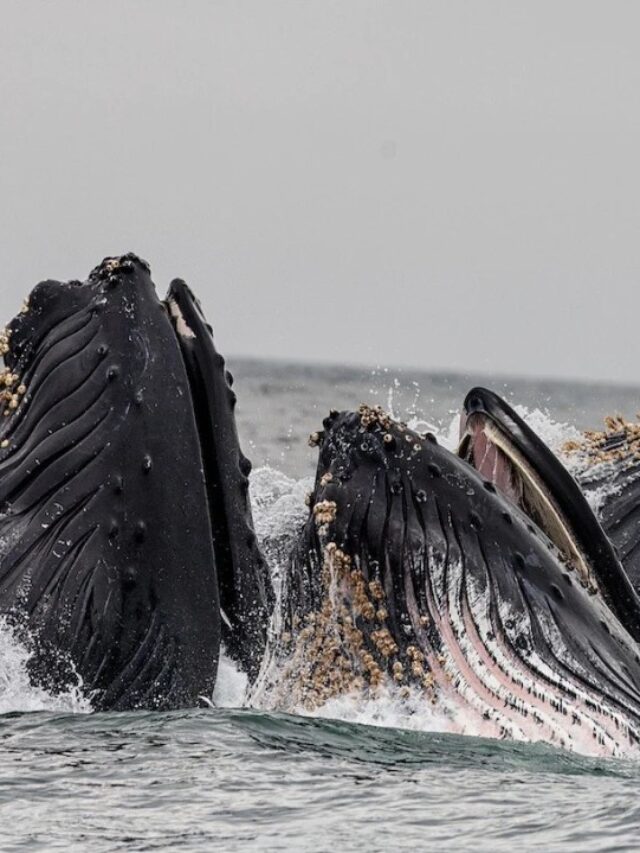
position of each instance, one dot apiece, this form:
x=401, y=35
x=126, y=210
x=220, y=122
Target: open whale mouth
x=497, y=442
x=505, y=459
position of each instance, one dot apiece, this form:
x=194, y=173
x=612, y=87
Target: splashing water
x=231, y=684
x=279, y=512
x=16, y=691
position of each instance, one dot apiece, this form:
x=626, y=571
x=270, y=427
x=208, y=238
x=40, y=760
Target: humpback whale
x=419, y=568
x=126, y=545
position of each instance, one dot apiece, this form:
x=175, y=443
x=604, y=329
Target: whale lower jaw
x=491, y=672
x=484, y=678
x=495, y=682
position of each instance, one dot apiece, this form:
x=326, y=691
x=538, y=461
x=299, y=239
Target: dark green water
x=228, y=780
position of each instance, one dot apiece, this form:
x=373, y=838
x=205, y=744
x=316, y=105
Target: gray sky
x=443, y=184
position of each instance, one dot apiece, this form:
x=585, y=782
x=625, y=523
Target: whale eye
x=434, y=469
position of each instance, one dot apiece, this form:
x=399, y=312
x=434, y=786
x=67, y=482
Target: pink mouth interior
x=490, y=462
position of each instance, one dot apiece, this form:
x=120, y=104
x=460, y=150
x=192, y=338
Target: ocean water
x=379, y=776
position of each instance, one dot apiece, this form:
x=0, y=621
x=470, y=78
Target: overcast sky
x=440, y=184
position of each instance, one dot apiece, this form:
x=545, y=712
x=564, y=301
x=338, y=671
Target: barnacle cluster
x=618, y=442
x=314, y=439
x=346, y=646
x=326, y=649
x=11, y=390
x=372, y=415
x=347, y=641
x=5, y=336
x=324, y=512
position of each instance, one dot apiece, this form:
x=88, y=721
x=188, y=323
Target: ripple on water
x=246, y=779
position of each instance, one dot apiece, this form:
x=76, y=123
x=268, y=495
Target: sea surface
x=381, y=777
